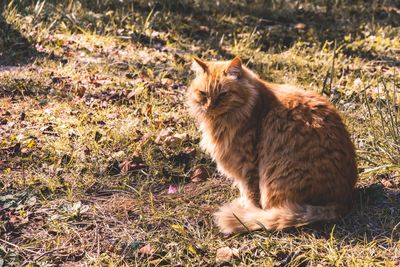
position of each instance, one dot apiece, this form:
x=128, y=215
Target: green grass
x=88, y=87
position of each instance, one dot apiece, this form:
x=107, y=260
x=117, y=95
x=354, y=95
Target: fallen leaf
x=176, y=139
x=178, y=228
x=80, y=91
x=112, y=115
x=167, y=81
x=131, y=95
x=300, y=26
x=172, y=141
x=128, y=166
x=125, y=166
x=182, y=136
x=204, y=28
x=190, y=151
x=387, y=183
x=163, y=135
x=199, y=174
x=14, y=219
x=146, y=250
x=135, y=162
x=225, y=254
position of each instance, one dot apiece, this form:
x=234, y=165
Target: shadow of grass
x=15, y=49
x=212, y=23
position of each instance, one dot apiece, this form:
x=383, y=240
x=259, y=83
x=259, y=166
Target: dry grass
x=89, y=175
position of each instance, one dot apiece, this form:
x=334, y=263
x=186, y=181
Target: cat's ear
x=199, y=66
x=235, y=68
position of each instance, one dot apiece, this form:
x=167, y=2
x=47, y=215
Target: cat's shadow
x=375, y=215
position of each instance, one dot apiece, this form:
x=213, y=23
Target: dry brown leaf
x=190, y=151
x=387, y=183
x=204, y=28
x=300, y=26
x=172, y=141
x=125, y=166
x=131, y=95
x=80, y=91
x=163, y=135
x=146, y=250
x=167, y=81
x=226, y=254
x=199, y=174
x=131, y=165
x=166, y=137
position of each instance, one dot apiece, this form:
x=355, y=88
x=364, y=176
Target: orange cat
x=286, y=149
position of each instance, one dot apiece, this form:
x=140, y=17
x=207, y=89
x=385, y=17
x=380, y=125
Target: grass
x=89, y=173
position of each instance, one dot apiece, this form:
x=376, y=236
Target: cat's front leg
x=247, y=182
x=249, y=191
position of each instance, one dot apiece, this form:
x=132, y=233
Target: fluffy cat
x=286, y=149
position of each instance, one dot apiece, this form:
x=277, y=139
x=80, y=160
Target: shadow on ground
x=15, y=49
x=273, y=26
x=375, y=216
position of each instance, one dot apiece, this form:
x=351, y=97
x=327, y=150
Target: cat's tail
x=234, y=218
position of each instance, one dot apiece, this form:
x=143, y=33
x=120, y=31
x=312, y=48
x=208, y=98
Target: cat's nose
x=208, y=104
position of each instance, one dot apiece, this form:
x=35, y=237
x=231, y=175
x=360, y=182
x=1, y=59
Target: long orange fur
x=286, y=149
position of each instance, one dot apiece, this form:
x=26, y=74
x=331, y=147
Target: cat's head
x=220, y=88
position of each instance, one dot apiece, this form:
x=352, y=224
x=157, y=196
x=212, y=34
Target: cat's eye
x=203, y=94
x=223, y=94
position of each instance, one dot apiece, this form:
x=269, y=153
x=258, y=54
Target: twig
x=46, y=253
x=18, y=247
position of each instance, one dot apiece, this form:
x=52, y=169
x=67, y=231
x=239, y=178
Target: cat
x=286, y=149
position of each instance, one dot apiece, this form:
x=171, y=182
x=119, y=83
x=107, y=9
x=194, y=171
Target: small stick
x=18, y=247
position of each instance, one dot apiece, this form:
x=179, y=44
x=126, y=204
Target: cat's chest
x=218, y=143
x=233, y=151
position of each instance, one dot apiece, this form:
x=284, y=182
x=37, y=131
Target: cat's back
x=306, y=144
x=291, y=97
x=303, y=124
x=306, y=107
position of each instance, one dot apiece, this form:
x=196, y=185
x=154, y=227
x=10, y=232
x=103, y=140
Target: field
x=99, y=158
